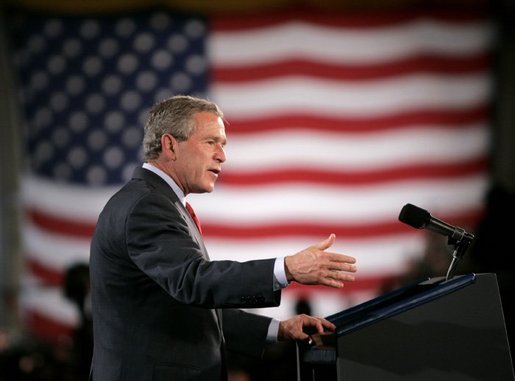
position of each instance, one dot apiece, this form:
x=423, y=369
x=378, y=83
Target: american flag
x=334, y=122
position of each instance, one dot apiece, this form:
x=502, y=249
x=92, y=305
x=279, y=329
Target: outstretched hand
x=294, y=328
x=315, y=265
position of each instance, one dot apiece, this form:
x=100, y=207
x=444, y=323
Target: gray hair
x=174, y=116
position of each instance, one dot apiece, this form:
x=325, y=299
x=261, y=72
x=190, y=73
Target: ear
x=169, y=146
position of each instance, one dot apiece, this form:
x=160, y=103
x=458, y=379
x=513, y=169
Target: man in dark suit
x=161, y=309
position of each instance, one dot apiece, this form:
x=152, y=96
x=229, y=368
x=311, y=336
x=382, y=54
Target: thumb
x=326, y=243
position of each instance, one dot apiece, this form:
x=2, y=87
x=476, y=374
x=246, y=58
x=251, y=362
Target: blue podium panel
x=433, y=330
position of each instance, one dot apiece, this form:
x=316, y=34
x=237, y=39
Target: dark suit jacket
x=155, y=293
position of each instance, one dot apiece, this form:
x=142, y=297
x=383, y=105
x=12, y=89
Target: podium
x=433, y=330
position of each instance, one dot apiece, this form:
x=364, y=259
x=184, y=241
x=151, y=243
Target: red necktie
x=194, y=216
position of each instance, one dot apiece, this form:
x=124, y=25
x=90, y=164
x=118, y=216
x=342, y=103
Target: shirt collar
x=168, y=180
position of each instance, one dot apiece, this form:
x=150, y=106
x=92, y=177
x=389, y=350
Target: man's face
x=199, y=159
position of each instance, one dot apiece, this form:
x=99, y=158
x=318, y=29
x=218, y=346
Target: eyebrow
x=216, y=138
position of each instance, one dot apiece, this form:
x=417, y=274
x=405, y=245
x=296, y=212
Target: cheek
x=195, y=168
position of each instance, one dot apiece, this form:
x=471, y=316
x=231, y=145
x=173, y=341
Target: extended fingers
x=335, y=278
x=337, y=257
x=339, y=266
x=335, y=273
x=338, y=263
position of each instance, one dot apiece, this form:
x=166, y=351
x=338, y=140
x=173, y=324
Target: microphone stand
x=460, y=246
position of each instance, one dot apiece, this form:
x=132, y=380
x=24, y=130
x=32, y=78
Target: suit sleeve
x=244, y=332
x=160, y=244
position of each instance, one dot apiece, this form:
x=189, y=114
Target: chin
x=207, y=189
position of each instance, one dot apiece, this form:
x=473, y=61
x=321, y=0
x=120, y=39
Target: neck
x=159, y=165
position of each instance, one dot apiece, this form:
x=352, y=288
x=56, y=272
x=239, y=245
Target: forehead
x=209, y=124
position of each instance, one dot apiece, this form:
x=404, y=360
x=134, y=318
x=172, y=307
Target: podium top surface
x=396, y=301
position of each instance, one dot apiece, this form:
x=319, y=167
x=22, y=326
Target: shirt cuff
x=273, y=331
x=280, y=280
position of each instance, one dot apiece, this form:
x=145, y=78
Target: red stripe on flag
x=67, y=226
x=353, y=178
x=448, y=118
x=462, y=65
x=45, y=327
x=350, y=19
x=353, y=231
x=236, y=231
x=50, y=276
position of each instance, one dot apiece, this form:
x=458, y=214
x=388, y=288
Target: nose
x=220, y=154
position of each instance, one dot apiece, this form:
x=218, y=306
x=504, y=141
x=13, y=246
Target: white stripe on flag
x=354, y=45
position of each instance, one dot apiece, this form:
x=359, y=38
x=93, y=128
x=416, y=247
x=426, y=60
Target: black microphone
x=420, y=218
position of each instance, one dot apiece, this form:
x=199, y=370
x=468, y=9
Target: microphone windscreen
x=414, y=216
